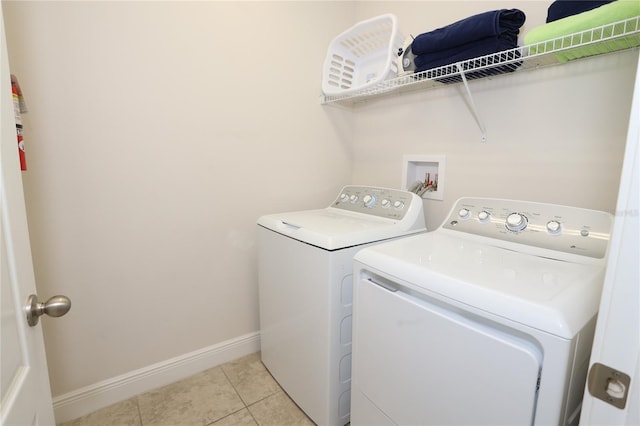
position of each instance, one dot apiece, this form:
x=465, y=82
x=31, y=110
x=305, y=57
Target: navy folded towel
x=471, y=50
x=504, y=22
x=563, y=8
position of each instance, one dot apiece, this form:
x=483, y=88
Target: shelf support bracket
x=472, y=103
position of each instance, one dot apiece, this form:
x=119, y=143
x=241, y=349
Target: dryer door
x=421, y=362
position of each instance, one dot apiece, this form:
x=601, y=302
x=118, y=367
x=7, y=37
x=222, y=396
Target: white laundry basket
x=362, y=56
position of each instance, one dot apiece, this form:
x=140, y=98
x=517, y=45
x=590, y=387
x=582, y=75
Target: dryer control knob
x=344, y=197
x=385, y=203
x=369, y=200
x=516, y=222
x=484, y=216
x=398, y=205
x=464, y=214
x=353, y=198
x=554, y=227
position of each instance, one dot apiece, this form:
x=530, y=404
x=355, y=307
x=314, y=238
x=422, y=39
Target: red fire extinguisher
x=15, y=90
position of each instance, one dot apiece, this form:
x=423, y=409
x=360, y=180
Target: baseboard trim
x=107, y=392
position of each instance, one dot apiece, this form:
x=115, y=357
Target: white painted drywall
x=158, y=132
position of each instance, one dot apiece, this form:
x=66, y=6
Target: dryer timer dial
x=369, y=200
x=516, y=222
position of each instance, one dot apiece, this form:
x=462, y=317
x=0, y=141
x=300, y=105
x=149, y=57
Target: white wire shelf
x=617, y=36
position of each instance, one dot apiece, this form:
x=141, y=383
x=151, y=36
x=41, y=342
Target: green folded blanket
x=611, y=13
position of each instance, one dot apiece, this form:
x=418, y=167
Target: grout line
x=246, y=407
x=231, y=414
x=232, y=385
x=139, y=411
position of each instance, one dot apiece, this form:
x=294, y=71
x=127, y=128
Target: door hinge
x=609, y=385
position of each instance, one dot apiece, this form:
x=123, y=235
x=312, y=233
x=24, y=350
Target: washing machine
x=305, y=272
x=487, y=320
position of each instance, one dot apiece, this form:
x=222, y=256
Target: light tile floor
x=240, y=392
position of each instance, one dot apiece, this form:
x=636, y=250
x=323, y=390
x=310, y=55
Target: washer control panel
x=382, y=202
x=549, y=226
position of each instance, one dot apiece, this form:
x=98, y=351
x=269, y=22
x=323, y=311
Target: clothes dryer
x=305, y=272
x=487, y=320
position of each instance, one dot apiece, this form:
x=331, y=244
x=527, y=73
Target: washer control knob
x=464, y=214
x=369, y=200
x=398, y=205
x=484, y=216
x=385, y=203
x=516, y=222
x=353, y=198
x=344, y=197
x=554, y=227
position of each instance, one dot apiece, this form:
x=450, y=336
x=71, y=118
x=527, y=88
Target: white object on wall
x=424, y=175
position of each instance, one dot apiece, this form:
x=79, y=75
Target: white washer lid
x=555, y=296
x=333, y=229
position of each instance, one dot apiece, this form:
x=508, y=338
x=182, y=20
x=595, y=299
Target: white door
x=617, y=339
x=24, y=387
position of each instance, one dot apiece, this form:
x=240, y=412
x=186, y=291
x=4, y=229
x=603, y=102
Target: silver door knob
x=56, y=306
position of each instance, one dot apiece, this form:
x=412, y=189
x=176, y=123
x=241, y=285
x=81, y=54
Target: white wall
x=553, y=135
x=158, y=133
